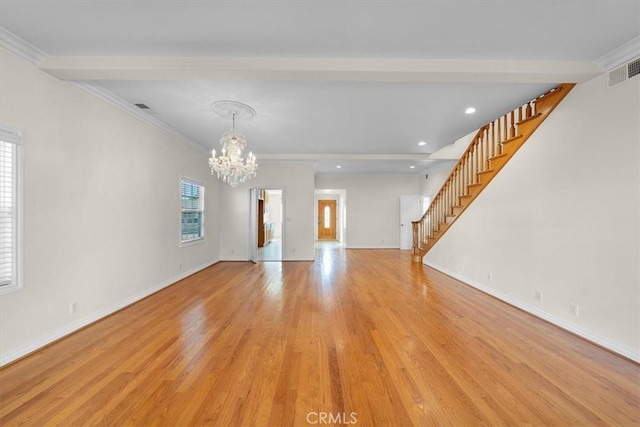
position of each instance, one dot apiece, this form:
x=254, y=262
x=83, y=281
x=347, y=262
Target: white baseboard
x=588, y=335
x=87, y=320
x=371, y=247
x=282, y=260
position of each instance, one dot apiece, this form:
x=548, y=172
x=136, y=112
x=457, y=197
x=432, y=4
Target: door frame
x=341, y=211
x=253, y=225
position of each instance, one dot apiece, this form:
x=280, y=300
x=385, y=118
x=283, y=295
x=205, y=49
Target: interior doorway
x=267, y=231
x=411, y=209
x=330, y=216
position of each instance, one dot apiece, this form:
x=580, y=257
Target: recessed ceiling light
x=470, y=110
x=338, y=166
x=412, y=167
x=422, y=143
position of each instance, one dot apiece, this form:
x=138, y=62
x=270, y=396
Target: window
x=10, y=210
x=192, y=206
x=327, y=217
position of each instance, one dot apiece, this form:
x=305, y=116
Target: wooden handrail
x=486, y=154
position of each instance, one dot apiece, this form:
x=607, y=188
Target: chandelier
x=230, y=165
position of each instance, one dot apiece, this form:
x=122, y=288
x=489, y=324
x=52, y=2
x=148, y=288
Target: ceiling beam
x=324, y=69
x=368, y=157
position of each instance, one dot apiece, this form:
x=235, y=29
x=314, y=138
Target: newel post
x=415, y=251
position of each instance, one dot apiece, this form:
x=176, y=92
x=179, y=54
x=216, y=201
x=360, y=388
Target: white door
x=410, y=210
x=253, y=226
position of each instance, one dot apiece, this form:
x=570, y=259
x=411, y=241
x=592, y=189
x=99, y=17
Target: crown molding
x=21, y=47
x=34, y=55
x=114, y=100
x=621, y=54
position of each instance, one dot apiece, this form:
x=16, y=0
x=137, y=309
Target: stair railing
x=488, y=144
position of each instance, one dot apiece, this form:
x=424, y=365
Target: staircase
x=488, y=152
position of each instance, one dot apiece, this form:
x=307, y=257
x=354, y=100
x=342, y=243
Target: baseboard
x=371, y=247
x=91, y=318
x=282, y=260
x=583, y=333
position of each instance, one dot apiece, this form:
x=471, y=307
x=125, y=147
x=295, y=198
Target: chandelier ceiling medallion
x=230, y=165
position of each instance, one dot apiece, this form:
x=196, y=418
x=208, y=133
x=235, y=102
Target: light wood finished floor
x=360, y=331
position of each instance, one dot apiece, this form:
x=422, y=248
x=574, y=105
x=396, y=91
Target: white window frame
x=201, y=210
x=14, y=137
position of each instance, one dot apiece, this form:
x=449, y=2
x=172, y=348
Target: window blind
x=9, y=145
x=192, y=207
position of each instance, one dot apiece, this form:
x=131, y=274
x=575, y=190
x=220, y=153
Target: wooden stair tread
x=529, y=119
x=513, y=138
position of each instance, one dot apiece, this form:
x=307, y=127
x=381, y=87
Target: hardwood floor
x=359, y=335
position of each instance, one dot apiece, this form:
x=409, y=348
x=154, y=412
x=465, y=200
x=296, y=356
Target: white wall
x=373, y=211
x=563, y=218
x=101, y=208
x=438, y=173
x=297, y=180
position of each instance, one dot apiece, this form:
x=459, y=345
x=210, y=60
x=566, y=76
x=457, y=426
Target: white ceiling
x=347, y=82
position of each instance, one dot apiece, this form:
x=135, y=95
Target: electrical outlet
x=73, y=307
x=461, y=268
x=180, y=266
x=538, y=296
x=575, y=309
x=490, y=277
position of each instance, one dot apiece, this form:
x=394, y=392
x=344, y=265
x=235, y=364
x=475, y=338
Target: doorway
x=339, y=196
x=327, y=215
x=267, y=233
x=411, y=209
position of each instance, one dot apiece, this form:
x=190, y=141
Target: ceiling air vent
x=142, y=106
x=624, y=72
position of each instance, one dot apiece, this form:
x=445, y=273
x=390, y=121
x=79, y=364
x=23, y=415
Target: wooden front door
x=327, y=220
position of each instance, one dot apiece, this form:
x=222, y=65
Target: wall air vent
x=624, y=72
x=634, y=68
x=142, y=106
